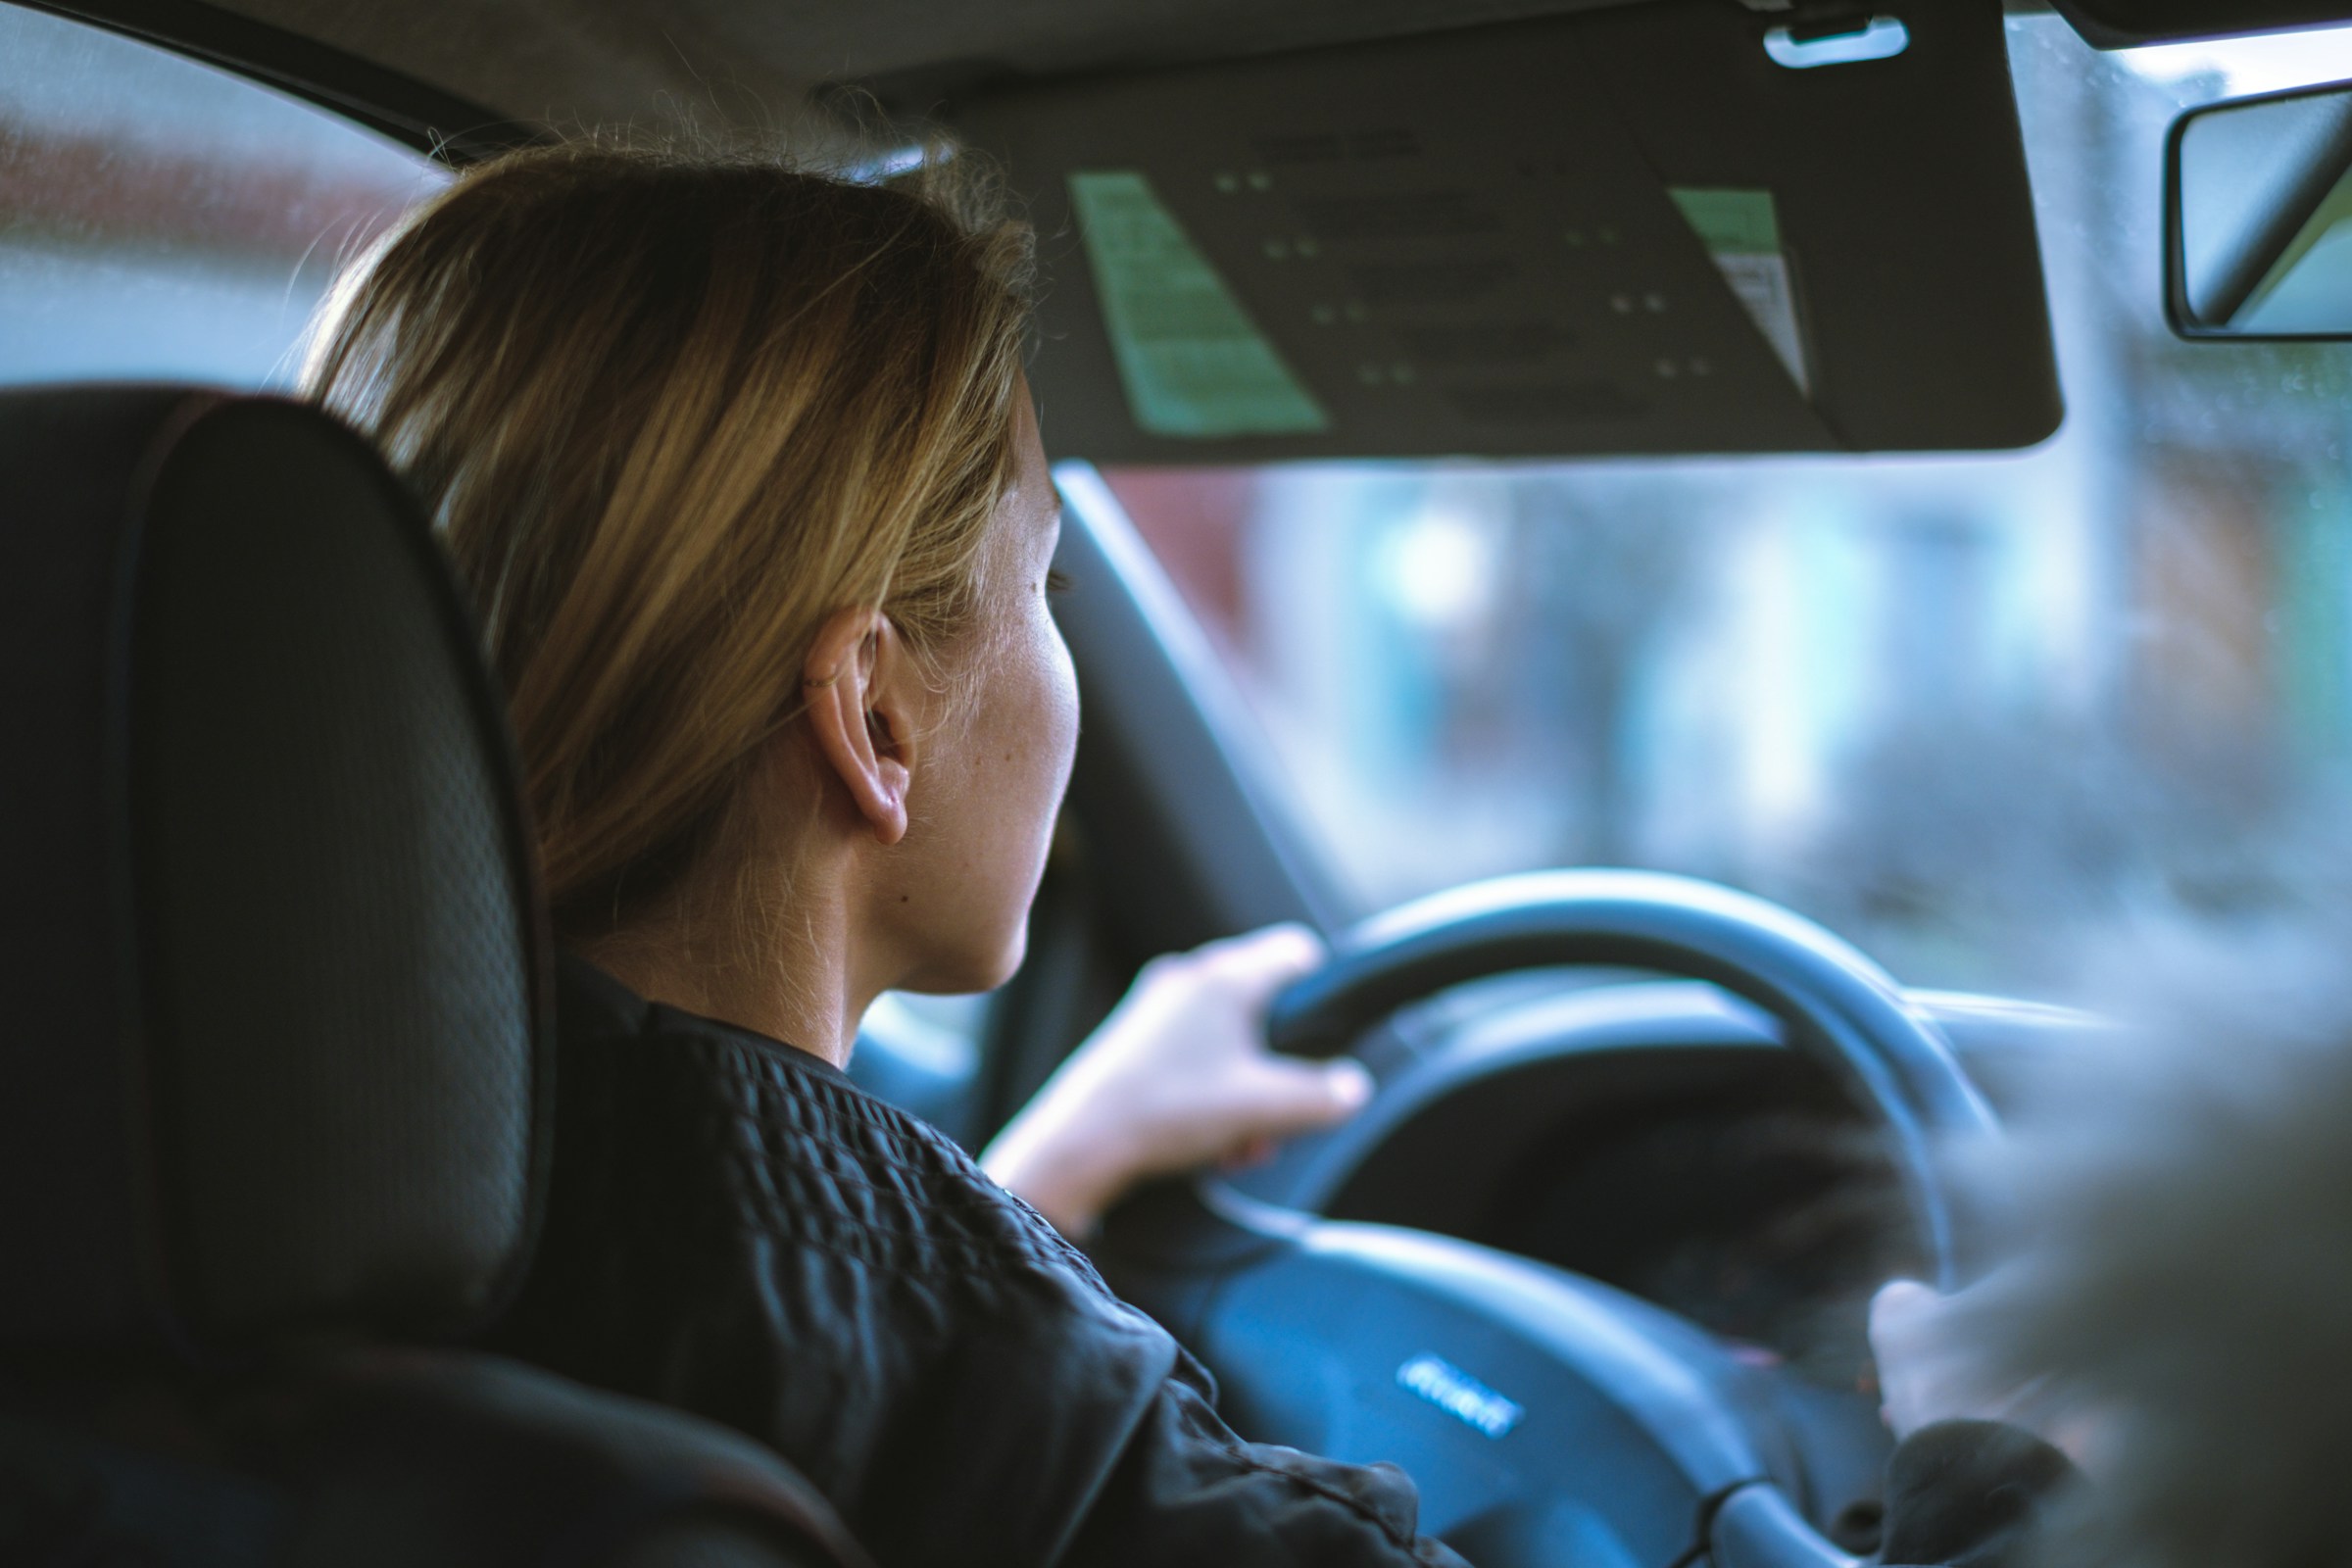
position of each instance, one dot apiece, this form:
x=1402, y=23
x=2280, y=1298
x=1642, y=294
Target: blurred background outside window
x=1964, y=711
x=164, y=220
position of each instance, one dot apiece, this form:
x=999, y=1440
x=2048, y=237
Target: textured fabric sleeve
x=1969, y=1494
x=1187, y=1491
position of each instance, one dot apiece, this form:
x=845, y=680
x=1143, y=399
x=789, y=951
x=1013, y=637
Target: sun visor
x=1659, y=229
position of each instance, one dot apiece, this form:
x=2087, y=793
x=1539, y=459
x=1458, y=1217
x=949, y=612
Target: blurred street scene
x=1964, y=711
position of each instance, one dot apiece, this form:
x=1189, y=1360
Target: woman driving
x=741, y=469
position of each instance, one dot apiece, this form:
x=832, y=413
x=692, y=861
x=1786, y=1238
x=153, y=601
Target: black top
x=736, y=1229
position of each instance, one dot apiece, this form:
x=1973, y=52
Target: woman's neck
x=781, y=971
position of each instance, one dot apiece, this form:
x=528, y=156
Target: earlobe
x=892, y=779
x=849, y=682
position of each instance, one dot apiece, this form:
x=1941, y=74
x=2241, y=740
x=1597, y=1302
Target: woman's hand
x=1923, y=1369
x=1929, y=1370
x=1176, y=1078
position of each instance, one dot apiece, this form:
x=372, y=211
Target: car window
x=1962, y=710
x=163, y=219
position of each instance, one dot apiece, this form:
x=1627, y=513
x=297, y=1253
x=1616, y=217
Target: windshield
x=1961, y=711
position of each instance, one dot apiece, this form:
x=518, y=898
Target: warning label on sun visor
x=1192, y=360
x=1741, y=231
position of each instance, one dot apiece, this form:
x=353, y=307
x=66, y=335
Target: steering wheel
x=1544, y=1416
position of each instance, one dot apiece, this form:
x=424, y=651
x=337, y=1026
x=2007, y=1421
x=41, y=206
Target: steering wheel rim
x=1839, y=1008
x=1250, y=1287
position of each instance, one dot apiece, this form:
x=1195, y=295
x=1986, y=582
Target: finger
x=1263, y=961
x=1902, y=1316
x=1252, y=1151
x=1288, y=1097
x=1900, y=1311
x=1297, y=931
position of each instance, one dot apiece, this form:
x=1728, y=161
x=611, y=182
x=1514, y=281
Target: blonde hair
x=670, y=412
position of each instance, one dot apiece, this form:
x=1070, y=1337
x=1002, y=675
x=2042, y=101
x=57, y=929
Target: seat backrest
x=274, y=1064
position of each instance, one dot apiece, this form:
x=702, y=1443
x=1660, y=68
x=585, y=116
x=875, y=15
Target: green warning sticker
x=1741, y=231
x=1192, y=360
x=1733, y=223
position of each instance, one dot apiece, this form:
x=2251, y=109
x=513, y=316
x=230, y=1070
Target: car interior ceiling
x=588, y=63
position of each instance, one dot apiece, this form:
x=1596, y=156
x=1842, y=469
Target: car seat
x=274, y=1068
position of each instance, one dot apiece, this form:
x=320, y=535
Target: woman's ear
x=859, y=687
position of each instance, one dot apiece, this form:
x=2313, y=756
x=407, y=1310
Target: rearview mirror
x=2259, y=217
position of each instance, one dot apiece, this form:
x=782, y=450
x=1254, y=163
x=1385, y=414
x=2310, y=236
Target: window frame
x=440, y=124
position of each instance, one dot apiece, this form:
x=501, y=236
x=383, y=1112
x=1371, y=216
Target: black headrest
x=270, y=1058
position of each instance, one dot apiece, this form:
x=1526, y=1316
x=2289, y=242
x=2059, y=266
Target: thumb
x=1286, y=1097
x=1899, y=1313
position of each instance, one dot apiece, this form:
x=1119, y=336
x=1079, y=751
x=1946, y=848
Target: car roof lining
x=566, y=64
x=479, y=73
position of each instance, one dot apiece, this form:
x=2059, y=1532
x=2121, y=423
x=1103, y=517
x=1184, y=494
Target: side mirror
x=2258, y=217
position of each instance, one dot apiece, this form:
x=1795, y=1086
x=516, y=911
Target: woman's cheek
x=1052, y=741
x=1037, y=703
x=1064, y=677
